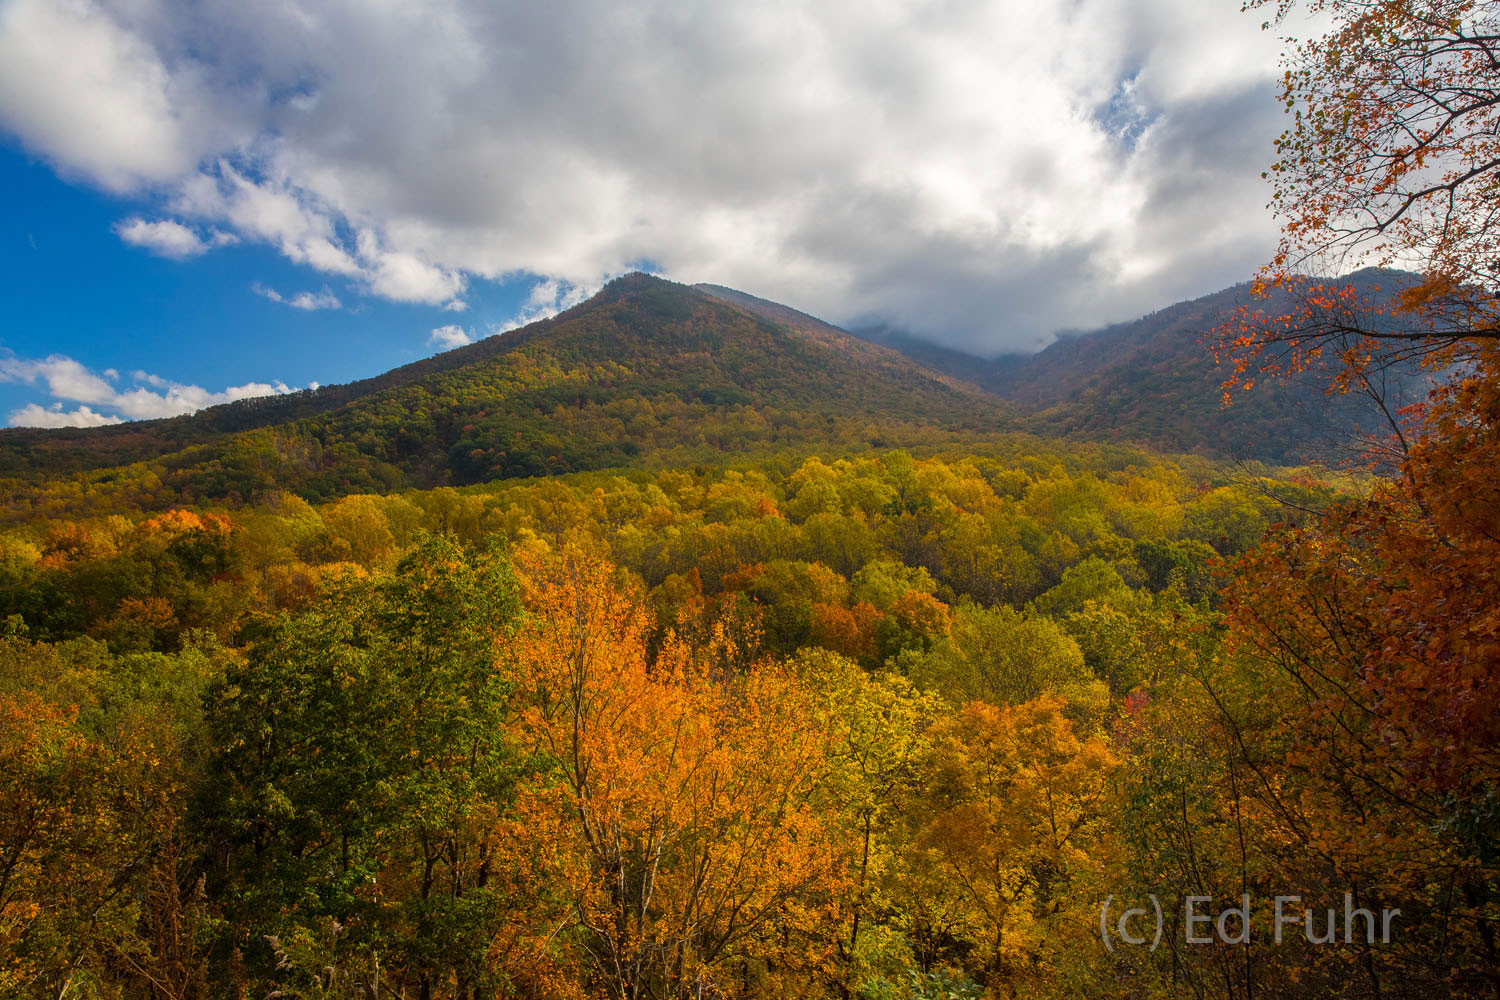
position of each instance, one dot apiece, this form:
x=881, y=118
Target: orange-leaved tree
x=1392, y=159
x=1383, y=617
x=681, y=804
x=88, y=833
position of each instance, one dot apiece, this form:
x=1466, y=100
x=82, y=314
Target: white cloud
x=32, y=415
x=270, y=212
x=167, y=238
x=143, y=404
x=982, y=173
x=547, y=299
x=405, y=277
x=90, y=93
x=65, y=378
x=307, y=301
x=151, y=396
x=449, y=337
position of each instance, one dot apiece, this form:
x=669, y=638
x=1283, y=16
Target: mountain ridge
x=1153, y=381
x=645, y=368
x=648, y=367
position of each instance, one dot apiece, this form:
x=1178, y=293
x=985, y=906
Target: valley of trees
x=877, y=727
x=683, y=652
x=637, y=733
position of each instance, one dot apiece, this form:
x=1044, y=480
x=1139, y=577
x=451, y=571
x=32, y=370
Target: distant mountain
x=647, y=370
x=1153, y=381
x=960, y=364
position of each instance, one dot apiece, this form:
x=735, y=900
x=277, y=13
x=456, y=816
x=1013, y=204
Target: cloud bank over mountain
x=982, y=174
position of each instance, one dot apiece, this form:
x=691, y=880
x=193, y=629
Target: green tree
x=1004, y=657
x=361, y=766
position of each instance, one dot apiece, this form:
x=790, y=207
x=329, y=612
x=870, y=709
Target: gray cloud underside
x=982, y=174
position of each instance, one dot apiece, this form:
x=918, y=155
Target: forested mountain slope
x=1154, y=381
x=653, y=372
x=645, y=369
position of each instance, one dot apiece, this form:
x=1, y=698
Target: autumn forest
x=683, y=646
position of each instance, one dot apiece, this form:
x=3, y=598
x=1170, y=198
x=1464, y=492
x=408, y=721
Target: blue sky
x=72, y=287
x=179, y=178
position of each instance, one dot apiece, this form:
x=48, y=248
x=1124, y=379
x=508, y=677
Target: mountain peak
x=647, y=370
x=634, y=283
